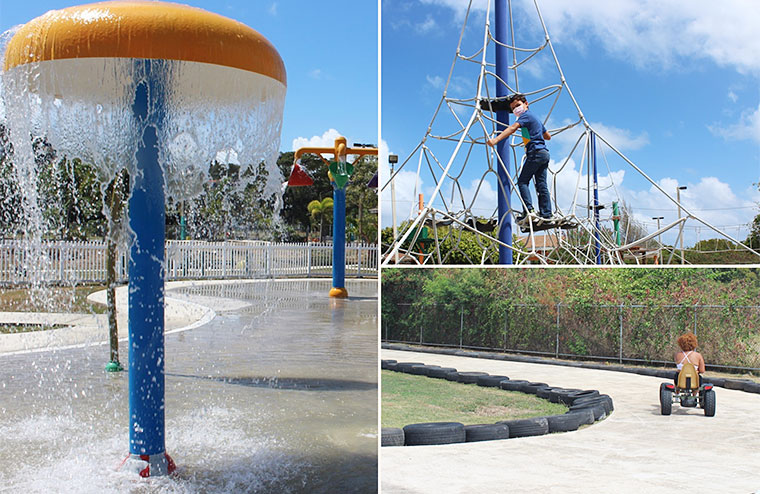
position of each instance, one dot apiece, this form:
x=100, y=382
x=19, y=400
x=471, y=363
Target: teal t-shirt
x=535, y=130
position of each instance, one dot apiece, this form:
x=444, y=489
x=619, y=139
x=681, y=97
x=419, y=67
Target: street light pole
x=659, y=239
x=678, y=198
x=393, y=159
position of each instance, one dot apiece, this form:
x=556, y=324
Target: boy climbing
x=536, y=161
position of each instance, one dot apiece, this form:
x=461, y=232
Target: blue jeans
x=536, y=165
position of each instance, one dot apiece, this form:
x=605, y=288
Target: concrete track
x=635, y=450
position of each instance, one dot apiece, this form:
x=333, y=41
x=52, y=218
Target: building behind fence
x=729, y=336
x=85, y=262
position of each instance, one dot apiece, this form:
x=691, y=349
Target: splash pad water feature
x=263, y=398
x=155, y=88
x=339, y=172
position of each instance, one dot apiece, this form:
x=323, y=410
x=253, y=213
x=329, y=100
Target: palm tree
x=320, y=210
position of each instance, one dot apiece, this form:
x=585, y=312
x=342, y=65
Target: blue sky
x=676, y=89
x=329, y=50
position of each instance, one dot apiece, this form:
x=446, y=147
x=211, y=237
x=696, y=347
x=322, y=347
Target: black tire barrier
x=752, y=387
x=586, y=415
x=406, y=366
x=736, y=384
x=563, y=395
x=434, y=433
x=588, y=393
x=588, y=406
x=513, y=384
x=715, y=381
x=486, y=432
x=392, y=436
x=564, y=423
x=491, y=381
x=452, y=376
x=546, y=393
x=597, y=409
x=532, y=387
x=605, y=401
x=536, y=426
x=420, y=370
x=391, y=366
x=470, y=377
x=440, y=373
x=384, y=363
x=662, y=373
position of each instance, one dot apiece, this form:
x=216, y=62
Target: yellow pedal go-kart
x=687, y=392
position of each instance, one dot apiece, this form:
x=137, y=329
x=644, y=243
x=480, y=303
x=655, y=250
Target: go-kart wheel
x=666, y=400
x=709, y=403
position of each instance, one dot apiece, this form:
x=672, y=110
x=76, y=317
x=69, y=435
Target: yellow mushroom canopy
x=145, y=30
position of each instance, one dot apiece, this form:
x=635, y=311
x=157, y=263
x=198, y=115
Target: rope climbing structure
x=461, y=222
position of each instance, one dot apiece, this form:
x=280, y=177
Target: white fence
x=81, y=262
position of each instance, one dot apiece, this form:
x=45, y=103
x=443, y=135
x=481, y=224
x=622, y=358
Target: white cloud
x=660, y=34
x=273, y=8
x=316, y=74
x=622, y=139
x=427, y=25
x=709, y=199
x=325, y=140
x=459, y=6
x=733, y=97
x=747, y=128
x=436, y=81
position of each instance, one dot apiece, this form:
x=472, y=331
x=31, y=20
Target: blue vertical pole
x=339, y=242
x=146, y=284
x=502, y=148
x=596, y=200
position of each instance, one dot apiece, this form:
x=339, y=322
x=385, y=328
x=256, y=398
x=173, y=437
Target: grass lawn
x=27, y=328
x=51, y=299
x=409, y=399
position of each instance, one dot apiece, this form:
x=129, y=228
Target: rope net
x=459, y=222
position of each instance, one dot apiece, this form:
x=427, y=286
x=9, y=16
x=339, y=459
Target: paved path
x=86, y=329
x=635, y=450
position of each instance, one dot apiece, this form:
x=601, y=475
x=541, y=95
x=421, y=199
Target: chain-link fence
x=729, y=336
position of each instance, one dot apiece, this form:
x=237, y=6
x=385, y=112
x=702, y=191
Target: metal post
x=339, y=240
x=146, y=285
x=502, y=148
x=616, y=222
x=393, y=159
x=556, y=347
x=680, y=232
x=596, y=201
x=506, y=326
x=461, y=325
x=620, y=336
x=659, y=239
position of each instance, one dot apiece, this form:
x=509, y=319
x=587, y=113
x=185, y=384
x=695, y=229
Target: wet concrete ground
x=277, y=394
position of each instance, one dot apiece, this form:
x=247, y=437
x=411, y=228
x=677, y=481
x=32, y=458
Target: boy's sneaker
x=524, y=216
x=554, y=217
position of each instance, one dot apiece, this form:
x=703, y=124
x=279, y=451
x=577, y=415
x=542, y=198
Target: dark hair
x=687, y=341
x=516, y=96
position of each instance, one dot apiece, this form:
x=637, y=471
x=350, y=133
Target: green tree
x=319, y=210
x=360, y=199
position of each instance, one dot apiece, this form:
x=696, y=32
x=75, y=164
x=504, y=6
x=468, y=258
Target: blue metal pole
x=596, y=200
x=339, y=242
x=146, y=284
x=502, y=148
